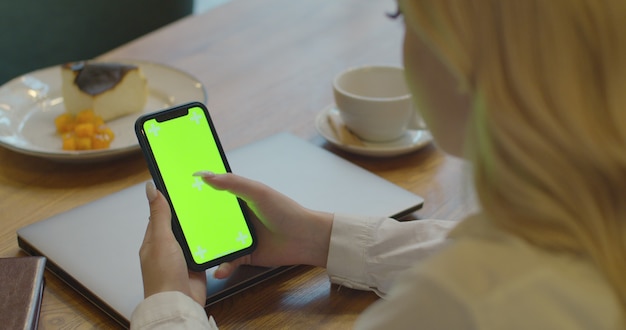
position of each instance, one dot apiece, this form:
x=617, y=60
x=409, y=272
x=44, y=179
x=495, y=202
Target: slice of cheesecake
x=111, y=90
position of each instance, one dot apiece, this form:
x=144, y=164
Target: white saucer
x=29, y=104
x=411, y=141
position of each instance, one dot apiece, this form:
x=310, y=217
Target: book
x=21, y=291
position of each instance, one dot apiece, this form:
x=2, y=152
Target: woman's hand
x=163, y=265
x=287, y=233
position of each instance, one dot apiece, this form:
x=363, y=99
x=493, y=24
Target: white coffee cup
x=374, y=102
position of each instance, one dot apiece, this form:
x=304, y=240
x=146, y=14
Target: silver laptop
x=94, y=247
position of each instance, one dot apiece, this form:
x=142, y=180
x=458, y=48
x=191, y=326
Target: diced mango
x=69, y=143
x=85, y=131
x=100, y=141
x=103, y=129
x=64, y=123
x=83, y=143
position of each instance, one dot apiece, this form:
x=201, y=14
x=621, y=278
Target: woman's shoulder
x=500, y=277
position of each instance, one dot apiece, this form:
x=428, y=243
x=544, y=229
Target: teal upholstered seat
x=35, y=34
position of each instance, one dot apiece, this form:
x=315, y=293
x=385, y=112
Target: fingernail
x=150, y=191
x=204, y=174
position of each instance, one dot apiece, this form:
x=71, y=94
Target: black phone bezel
x=169, y=114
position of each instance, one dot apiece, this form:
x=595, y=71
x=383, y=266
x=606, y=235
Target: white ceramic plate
x=29, y=104
x=411, y=141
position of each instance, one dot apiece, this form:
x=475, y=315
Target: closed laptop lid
x=94, y=247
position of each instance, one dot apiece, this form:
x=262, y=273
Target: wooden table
x=267, y=67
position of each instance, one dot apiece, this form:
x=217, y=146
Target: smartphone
x=211, y=226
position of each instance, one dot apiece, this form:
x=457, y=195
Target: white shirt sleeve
x=367, y=253
x=170, y=310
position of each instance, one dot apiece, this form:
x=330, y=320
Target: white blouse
x=477, y=278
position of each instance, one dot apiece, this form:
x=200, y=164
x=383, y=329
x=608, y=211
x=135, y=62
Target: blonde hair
x=548, y=131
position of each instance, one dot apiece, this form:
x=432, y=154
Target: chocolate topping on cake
x=95, y=78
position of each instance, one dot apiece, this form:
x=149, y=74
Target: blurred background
x=37, y=34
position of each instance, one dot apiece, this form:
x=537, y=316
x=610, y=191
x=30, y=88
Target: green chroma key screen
x=211, y=220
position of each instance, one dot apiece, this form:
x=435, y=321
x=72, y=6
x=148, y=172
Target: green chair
x=35, y=34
